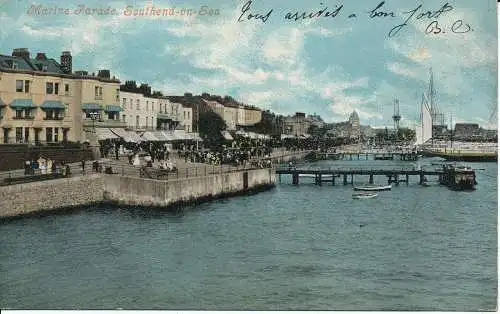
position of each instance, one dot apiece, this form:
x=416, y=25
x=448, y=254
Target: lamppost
x=93, y=117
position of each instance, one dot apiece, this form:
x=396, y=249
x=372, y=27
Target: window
x=19, y=135
x=137, y=104
x=44, y=68
x=152, y=122
x=56, y=134
x=19, y=86
x=117, y=94
x=66, y=89
x=49, y=87
x=14, y=65
x=26, y=86
x=147, y=122
x=153, y=106
x=56, y=88
x=96, y=91
x=124, y=102
x=147, y=105
x=123, y=117
x=48, y=135
x=19, y=113
x=100, y=91
x=137, y=121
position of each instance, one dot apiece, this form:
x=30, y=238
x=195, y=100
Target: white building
x=187, y=119
x=139, y=112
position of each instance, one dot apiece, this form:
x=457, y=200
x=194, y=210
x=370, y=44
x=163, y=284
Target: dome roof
x=354, y=115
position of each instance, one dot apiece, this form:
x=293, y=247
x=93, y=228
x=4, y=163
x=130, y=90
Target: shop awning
x=52, y=104
x=22, y=103
x=91, y=106
x=126, y=136
x=159, y=135
x=105, y=134
x=227, y=136
x=2, y=103
x=168, y=135
x=148, y=136
x=134, y=136
x=112, y=108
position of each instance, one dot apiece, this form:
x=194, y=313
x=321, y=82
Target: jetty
x=393, y=175
x=367, y=155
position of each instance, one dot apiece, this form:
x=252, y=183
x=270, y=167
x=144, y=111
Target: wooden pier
x=329, y=175
x=367, y=155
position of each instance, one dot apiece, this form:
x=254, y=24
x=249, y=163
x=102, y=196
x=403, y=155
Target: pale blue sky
x=328, y=66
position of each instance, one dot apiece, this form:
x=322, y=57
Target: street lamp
x=93, y=117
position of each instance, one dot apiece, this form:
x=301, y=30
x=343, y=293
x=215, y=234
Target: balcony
x=104, y=124
x=54, y=118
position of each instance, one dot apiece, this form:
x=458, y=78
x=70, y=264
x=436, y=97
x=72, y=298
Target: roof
x=30, y=64
x=34, y=66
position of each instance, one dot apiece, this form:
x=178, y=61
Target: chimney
x=41, y=56
x=104, y=74
x=21, y=53
x=66, y=62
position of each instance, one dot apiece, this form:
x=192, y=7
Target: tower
x=396, y=117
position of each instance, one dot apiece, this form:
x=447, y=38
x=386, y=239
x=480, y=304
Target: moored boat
x=364, y=195
x=373, y=188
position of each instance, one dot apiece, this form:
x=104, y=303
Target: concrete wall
x=56, y=194
x=148, y=192
x=48, y=195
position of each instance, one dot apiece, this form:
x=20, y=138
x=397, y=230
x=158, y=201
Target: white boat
x=364, y=195
x=426, y=184
x=373, y=188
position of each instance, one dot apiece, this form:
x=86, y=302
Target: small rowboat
x=373, y=188
x=364, y=195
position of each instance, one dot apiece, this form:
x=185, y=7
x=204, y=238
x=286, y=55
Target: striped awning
x=104, y=134
x=22, y=103
x=91, y=106
x=52, y=104
x=148, y=136
x=168, y=135
x=113, y=108
x=160, y=136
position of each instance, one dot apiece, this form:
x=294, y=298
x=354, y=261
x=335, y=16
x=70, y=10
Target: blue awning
x=113, y=108
x=22, y=103
x=91, y=106
x=2, y=104
x=52, y=104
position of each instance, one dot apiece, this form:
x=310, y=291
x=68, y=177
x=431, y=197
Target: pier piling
x=371, y=179
x=345, y=179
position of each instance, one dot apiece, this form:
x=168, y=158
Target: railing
x=75, y=169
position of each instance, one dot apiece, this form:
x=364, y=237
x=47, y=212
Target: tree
x=210, y=126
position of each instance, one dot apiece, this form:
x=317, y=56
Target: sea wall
x=149, y=192
x=67, y=193
x=28, y=198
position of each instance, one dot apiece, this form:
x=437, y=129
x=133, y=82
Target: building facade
x=41, y=100
x=139, y=112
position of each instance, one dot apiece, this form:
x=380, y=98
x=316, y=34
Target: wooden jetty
x=367, y=155
x=395, y=175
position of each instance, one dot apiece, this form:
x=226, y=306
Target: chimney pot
x=41, y=56
x=66, y=62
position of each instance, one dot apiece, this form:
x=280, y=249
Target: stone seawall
x=28, y=198
x=48, y=196
x=148, y=192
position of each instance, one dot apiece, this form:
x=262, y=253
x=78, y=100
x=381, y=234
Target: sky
x=328, y=65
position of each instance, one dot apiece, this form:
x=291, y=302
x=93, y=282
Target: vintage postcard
x=249, y=155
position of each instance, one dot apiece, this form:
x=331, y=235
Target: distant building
x=348, y=129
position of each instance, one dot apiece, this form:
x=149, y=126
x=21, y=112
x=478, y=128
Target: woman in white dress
x=137, y=161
